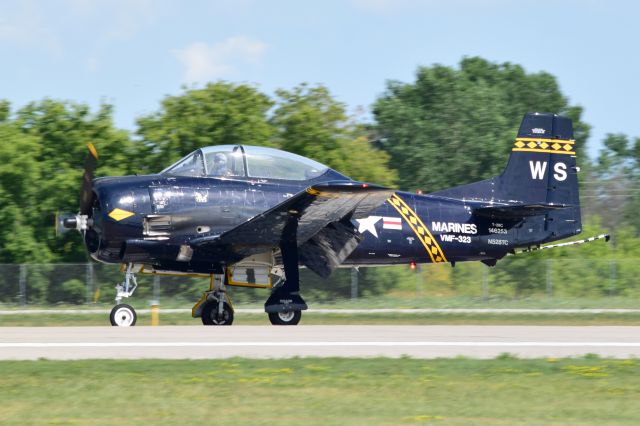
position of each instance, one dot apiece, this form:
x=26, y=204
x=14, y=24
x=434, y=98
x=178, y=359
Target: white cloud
x=118, y=20
x=203, y=62
x=24, y=24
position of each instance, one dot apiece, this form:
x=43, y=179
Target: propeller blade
x=86, y=191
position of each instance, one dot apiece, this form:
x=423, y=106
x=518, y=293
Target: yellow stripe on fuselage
x=419, y=228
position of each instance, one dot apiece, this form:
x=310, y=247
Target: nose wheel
x=123, y=315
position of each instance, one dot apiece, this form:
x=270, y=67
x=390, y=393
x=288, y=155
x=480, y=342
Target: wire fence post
x=354, y=283
x=22, y=282
x=549, y=279
x=89, y=281
x=612, y=277
x=485, y=283
x=156, y=289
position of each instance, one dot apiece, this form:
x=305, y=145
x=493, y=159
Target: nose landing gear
x=123, y=315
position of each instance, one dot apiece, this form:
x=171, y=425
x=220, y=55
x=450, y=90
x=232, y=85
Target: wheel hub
x=286, y=316
x=123, y=317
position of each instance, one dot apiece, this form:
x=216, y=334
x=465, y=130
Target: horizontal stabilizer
x=518, y=210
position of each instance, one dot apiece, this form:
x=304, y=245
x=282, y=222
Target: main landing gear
x=285, y=305
x=215, y=308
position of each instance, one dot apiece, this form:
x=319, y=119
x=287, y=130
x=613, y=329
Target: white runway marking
x=189, y=342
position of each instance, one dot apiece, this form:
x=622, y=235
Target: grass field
x=309, y=391
x=60, y=320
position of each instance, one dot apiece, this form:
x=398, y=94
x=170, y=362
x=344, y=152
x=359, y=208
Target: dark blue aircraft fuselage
x=451, y=232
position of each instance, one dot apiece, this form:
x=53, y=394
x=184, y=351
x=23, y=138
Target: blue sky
x=131, y=53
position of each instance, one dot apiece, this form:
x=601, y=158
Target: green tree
x=310, y=122
x=612, y=190
x=218, y=114
x=41, y=161
x=19, y=173
x=453, y=126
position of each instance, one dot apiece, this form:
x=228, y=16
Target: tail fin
x=540, y=177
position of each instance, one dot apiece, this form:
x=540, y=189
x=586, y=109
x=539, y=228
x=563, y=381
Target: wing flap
x=326, y=250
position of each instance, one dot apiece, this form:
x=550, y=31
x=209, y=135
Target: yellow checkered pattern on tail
x=551, y=146
x=422, y=232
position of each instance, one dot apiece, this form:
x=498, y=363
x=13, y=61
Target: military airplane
x=251, y=216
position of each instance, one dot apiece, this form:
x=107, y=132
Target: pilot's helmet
x=220, y=159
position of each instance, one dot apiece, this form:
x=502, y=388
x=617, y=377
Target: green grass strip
x=311, y=391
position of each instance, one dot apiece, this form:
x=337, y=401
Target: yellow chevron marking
x=567, y=147
x=422, y=232
x=556, y=146
x=119, y=214
x=543, y=145
x=532, y=144
x=519, y=144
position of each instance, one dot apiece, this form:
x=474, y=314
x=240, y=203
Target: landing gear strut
x=285, y=304
x=123, y=315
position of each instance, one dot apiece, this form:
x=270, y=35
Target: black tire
x=285, y=318
x=123, y=315
x=210, y=314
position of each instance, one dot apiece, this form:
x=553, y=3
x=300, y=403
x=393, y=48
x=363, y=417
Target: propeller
x=80, y=221
x=86, y=191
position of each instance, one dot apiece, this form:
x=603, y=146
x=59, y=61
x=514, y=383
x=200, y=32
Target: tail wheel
x=123, y=315
x=211, y=316
x=285, y=318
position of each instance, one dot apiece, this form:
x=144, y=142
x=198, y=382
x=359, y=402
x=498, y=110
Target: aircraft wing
x=324, y=231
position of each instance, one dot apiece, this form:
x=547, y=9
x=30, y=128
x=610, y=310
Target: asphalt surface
x=191, y=342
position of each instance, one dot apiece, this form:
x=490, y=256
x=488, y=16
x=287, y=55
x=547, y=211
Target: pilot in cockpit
x=219, y=165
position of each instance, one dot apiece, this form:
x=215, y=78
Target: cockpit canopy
x=242, y=161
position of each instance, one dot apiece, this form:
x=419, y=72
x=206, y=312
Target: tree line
x=449, y=126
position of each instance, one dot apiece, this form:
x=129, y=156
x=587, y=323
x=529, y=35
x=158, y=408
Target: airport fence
x=512, y=279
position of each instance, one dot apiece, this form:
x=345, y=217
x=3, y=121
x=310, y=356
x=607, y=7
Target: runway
x=191, y=342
